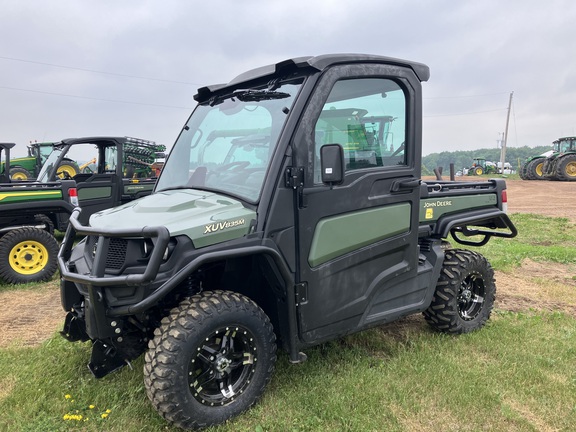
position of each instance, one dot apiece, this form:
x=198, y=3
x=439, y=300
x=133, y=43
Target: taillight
x=73, y=194
x=504, y=201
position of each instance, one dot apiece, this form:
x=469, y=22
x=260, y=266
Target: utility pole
x=505, y=137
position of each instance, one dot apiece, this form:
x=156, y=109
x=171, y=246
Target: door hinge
x=301, y=292
x=294, y=177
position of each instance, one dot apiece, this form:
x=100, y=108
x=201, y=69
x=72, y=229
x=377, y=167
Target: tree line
x=463, y=159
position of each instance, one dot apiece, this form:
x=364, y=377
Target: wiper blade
x=258, y=95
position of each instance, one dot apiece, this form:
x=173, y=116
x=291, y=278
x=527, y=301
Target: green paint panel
x=432, y=208
x=342, y=234
x=94, y=193
x=24, y=195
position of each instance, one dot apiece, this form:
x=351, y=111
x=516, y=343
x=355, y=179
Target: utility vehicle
x=282, y=217
x=115, y=170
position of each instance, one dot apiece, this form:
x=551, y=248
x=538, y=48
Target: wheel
x=464, y=294
x=522, y=172
x=478, y=171
x=67, y=169
x=27, y=255
x=539, y=169
x=20, y=174
x=49, y=225
x=566, y=168
x=210, y=359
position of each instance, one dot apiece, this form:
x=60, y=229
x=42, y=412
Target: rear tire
x=49, y=225
x=210, y=359
x=464, y=295
x=566, y=168
x=67, y=169
x=27, y=255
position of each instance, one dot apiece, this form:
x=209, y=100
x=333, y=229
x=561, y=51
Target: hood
x=205, y=217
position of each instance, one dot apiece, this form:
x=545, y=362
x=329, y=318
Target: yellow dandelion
x=91, y=407
x=104, y=415
x=67, y=396
x=108, y=411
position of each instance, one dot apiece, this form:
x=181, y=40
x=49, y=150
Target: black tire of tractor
x=566, y=168
x=20, y=174
x=478, y=171
x=199, y=340
x=27, y=255
x=532, y=171
x=522, y=171
x=67, y=168
x=43, y=219
x=464, y=295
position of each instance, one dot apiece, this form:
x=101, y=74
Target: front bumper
x=97, y=275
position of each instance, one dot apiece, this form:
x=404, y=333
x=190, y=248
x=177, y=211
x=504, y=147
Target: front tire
x=210, y=359
x=18, y=174
x=27, y=255
x=464, y=295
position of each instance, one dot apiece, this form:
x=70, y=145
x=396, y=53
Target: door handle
x=404, y=184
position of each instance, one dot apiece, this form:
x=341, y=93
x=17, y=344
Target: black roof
x=317, y=63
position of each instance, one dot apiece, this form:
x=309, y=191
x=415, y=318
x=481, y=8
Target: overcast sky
x=131, y=68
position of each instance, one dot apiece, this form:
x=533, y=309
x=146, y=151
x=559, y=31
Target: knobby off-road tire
x=464, y=295
x=210, y=359
x=27, y=255
x=43, y=219
x=566, y=168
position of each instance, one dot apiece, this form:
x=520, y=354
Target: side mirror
x=332, y=164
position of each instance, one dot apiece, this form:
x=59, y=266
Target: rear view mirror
x=332, y=164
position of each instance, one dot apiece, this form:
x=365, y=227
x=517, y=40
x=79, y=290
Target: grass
x=517, y=374
x=539, y=238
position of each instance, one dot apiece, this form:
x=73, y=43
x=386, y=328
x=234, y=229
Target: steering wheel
x=236, y=165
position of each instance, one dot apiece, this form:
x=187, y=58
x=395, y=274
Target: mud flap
x=105, y=359
x=74, y=329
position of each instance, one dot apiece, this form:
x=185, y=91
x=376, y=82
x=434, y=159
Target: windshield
x=227, y=144
x=48, y=167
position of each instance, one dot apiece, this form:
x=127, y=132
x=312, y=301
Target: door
x=99, y=181
x=358, y=253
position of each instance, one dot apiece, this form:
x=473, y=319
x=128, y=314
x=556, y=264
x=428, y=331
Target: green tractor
x=481, y=166
x=561, y=164
x=27, y=168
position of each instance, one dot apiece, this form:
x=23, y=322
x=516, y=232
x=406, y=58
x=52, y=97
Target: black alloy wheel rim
x=471, y=297
x=223, y=366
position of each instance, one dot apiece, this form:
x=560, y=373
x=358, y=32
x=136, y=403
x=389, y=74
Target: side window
x=367, y=117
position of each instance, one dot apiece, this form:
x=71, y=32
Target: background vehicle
x=119, y=171
x=279, y=217
x=481, y=166
x=561, y=164
x=27, y=168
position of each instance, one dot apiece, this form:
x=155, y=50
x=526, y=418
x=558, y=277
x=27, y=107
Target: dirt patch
x=538, y=286
x=547, y=198
x=29, y=317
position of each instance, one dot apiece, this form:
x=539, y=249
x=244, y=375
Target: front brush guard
x=97, y=272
